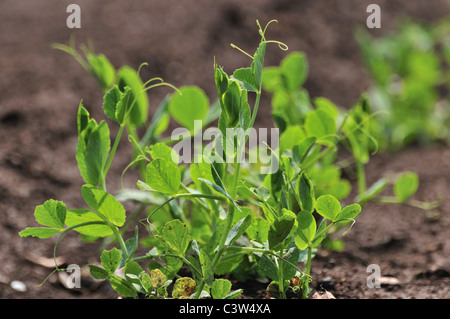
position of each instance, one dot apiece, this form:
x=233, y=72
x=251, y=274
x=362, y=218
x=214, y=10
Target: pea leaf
x=220, y=288
x=306, y=229
x=259, y=229
x=128, y=77
x=40, y=232
x=268, y=267
x=78, y=216
x=188, y=105
x=98, y=272
x=163, y=176
x=104, y=204
x=52, y=214
x=161, y=150
x=177, y=236
x=280, y=228
x=246, y=79
x=102, y=70
x=405, y=186
x=291, y=260
x=206, y=265
x=122, y=286
x=110, y=260
x=349, y=212
x=116, y=103
x=294, y=69
x=306, y=193
x=183, y=288
x=328, y=206
x=232, y=104
x=238, y=229
x=320, y=124
x=92, y=148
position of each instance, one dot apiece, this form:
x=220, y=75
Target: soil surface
x=40, y=89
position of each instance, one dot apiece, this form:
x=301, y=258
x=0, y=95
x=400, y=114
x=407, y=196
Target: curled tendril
x=262, y=32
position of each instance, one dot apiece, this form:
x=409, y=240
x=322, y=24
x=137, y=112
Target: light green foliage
x=406, y=185
x=190, y=103
x=407, y=70
x=219, y=216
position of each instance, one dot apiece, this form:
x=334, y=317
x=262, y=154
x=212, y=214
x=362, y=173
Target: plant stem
x=361, y=178
x=308, y=271
x=280, y=275
x=113, y=150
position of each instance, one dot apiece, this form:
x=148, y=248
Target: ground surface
x=40, y=89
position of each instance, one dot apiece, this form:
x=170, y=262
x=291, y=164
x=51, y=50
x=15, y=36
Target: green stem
x=113, y=151
x=308, y=271
x=280, y=275
x=410, y=202
x=100, y=222
x=361, y=178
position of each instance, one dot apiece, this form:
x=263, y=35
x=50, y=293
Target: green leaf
x=320, y=124
x=246, y=79
x=281, y=228
x=161, y=150
x=406, y=185
x=93, y=147
x=292, y=136
x=306, y=229
x=259, y=229
x=220, y=288
x=232, y=104
x=216, y=187
x=132, y=272
x=188, y=105
x=131, y=245
x=374, y=190
x=115, y=103
x=306, y=193
x=128, y=77
x=176, y=236
x=104, y=204
x=349, y=212
x=328, y=206
x=102, y=70
x=271, y=79
x=52, y=214
x=163, y=176
x=268, y=267
x=290, y=260
x=98, y=272
x=40, y=232
x=258, y=64
x=207, y=268
x=122, y=286
x=110, y=260
x=238, y=229
x=78, y=216
x=320, y=234
x=294, y=69
x=183, y=288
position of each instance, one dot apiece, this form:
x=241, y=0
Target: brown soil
x=40, y=89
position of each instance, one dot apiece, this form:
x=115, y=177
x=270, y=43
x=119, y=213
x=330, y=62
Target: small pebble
x=18, y=286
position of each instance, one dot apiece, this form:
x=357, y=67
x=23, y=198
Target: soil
x=40, y=89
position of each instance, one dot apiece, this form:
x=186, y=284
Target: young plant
x=218, y=215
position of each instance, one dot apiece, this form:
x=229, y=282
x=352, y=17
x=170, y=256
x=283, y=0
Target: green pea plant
x=410, y=80
x=346, y=135
x=219, y=215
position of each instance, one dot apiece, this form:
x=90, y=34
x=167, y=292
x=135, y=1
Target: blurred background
x=40, y=89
